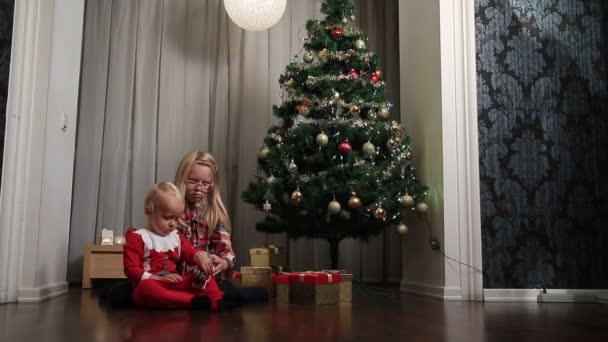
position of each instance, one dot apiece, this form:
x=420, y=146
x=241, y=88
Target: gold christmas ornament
x=378, y=73
x=322, y=139
x=352, y=18
x=263, y=153
x=355, y=110
x=379, y=213
x=402, y=229
x=270, y=179
x=369, y=149
x=383, y=112
x=360, y=44
x=354, y=202
x=322, y=55
x=407, y=201
x=422, y=208
x=334, y=207
x=290, y=82
x=344, y=20
x=308, y=57
x=296, y=196
x=371, y=115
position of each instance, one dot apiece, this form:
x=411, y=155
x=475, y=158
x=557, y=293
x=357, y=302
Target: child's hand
x=169, y=278
x=204, y=262
x=219, y=264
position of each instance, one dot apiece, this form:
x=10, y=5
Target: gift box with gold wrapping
x=267, y=256
x=346, y=284
x=281, y=284
x=314, y=288
x=253, y=276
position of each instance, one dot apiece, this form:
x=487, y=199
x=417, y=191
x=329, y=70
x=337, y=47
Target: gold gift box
x=253, y=276
x=281, y=283
x=313, y=293
x=346, y=288
x=267, y=256
x=346, y=284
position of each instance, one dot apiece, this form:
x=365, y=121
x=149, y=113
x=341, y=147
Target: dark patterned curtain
x=6, y=32
x=543, y=135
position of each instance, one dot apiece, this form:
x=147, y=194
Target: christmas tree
x=335, y=166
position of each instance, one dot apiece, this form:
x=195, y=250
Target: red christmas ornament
x=374, y=78
x=337, y=33
x=353, y=73
x=345, y=147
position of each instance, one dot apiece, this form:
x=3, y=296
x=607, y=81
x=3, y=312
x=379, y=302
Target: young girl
x=151, y=255
x=205, y=222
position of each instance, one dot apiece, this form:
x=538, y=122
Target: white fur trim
x=160, y=244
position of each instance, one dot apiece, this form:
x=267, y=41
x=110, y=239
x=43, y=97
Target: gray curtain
x=161, y=78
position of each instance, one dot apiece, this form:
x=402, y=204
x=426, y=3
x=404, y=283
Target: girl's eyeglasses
x=192, y=184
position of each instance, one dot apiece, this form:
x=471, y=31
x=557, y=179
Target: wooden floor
x=78, y=317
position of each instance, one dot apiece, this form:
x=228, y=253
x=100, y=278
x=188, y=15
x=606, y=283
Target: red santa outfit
x=147, y=253
x=197, y=233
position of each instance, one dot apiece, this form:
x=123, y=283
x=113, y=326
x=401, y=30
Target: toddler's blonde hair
x=154, y=193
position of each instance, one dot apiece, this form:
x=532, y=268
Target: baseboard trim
x=38, y=294
x=433, y=291
x=552, y=295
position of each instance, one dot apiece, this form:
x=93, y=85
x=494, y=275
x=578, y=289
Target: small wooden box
x=102, y=262
x=253, y=276
x=267, y=256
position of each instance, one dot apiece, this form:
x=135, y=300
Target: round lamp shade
x=255, y=15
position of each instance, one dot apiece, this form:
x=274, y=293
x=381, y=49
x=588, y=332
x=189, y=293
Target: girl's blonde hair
x=214, y=211
x=161, y=188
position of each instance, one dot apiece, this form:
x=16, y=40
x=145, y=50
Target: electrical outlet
x=64, y=121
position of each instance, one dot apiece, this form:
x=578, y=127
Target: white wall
x=39, y=154
x=439, y=111
x=421, y=114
